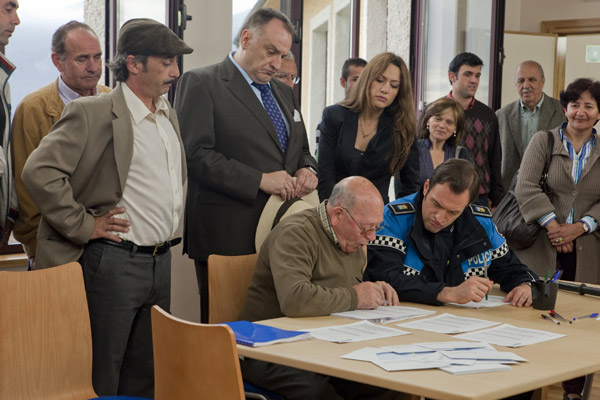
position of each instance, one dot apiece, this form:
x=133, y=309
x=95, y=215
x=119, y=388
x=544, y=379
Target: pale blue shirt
x=257, y=92
x=529, y=122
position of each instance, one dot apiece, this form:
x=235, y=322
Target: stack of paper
x=358, y=331
x=448, y=323
x=453, y=357
x=385, y=314
x=491, y=301
x=510, y=336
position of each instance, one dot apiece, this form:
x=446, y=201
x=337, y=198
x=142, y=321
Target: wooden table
x=549, y=362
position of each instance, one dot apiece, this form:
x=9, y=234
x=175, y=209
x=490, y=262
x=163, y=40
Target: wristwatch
x=586, y=228
x=311, y=169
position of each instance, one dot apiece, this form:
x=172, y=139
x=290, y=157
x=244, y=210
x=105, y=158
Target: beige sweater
x=584, y=197
x=301, y=272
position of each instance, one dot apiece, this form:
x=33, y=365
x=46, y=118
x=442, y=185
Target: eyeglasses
x=364, y=231
x=295, y=79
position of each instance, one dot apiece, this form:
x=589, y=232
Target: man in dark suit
x=519, y=120
x=108, y=181
x=244, y=140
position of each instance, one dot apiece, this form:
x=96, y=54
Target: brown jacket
x=301, y=272
x=79, y=171
x=583, y=197
x=33, y=119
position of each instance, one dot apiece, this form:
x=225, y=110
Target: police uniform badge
x=402, y=208
x=480, y=210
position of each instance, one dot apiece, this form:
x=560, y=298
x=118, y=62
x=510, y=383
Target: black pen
x=359, y=280
x=557, y=315
x=550, y=319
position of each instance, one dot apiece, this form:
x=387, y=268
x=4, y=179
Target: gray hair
x=119, y=66
x=531, y=62
x=60, y=36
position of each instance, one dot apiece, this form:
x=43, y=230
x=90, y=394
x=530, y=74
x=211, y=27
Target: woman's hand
x=562, y=235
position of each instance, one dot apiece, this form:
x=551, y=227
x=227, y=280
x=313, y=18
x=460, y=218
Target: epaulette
x=480, y=210
x=402, y=208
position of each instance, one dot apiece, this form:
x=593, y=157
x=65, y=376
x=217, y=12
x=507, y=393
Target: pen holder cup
x=544, y=295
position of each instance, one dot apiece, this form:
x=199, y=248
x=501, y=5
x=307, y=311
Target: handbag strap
x=548, y=157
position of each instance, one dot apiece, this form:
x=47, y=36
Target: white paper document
x=456, y=345
x=417, y=356
x=385, y=314
x=362, y=330
x=448, y=323
x=499, y=356
x=492, y=301
x=510, y=336
x=475, y=368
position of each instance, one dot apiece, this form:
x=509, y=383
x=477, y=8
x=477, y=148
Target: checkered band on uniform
x=389, y=241
x=475, y=271
x=500, y=251
x=409, y=271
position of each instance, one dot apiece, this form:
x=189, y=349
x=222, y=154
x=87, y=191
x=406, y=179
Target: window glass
x=155, y=9
x=29, y=46
x=239, y=11
x=453, y=27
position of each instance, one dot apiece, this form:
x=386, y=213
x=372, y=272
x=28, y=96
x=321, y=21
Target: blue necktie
x=274, y=113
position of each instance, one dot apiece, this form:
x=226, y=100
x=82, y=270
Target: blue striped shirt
x=579, y=161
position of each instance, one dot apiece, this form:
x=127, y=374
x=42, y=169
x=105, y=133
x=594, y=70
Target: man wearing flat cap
x=108, y=182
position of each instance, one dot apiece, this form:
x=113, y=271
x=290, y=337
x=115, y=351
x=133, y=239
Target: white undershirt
x=153, y=193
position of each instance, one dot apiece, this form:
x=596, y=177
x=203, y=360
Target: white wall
x=526, y=15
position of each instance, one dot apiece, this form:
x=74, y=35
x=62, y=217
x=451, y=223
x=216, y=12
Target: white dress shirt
x=153, y=193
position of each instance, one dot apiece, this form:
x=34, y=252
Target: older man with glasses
x=288, y=72
x=311, y=264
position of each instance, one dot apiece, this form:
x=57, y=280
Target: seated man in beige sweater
x=311, y=264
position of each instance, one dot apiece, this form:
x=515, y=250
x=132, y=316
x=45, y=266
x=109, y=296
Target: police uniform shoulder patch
x=481, y=211
x=402, y=208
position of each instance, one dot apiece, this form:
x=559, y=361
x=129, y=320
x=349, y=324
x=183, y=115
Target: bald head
x=355, y=209
x=529, y=81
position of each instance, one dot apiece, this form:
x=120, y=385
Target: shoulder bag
x=507, y=216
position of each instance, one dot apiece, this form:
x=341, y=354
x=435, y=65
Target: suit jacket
x=79, y=171
x=230, y=141
x=33, y=119
x=509, y=121
x=339, y=128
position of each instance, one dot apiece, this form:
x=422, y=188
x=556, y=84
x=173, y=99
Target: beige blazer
x=79, y=171
x=583, y=197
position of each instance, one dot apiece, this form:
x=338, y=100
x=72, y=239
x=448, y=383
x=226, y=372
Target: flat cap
x=147, y=37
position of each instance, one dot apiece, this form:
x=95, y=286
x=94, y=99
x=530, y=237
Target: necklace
x=362, y=131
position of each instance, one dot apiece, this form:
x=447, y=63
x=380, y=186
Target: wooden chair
x=194, y=361
x=45, y=338
x=228, y=281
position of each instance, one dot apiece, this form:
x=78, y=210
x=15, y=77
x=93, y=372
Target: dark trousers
x=121, y=287
x=202, y=277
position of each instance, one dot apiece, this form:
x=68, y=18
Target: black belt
x=154, y=250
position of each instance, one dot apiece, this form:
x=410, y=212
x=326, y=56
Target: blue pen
x=557, y=275
x=594, y=315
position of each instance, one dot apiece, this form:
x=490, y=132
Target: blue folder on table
x=251, y=334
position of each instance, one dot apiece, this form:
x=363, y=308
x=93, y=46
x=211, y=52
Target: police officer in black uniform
x=435, y=248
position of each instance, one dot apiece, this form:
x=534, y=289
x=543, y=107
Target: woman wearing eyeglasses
x=371, y=133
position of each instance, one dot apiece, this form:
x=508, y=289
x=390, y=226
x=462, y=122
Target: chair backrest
x=45, y=337
x=228, y=281
x=194, y=361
